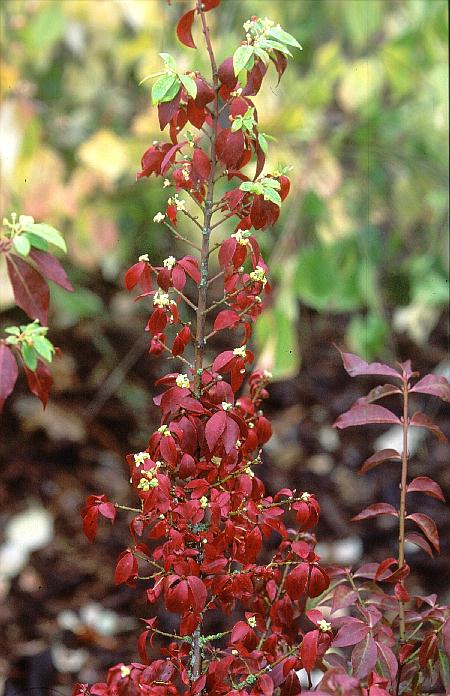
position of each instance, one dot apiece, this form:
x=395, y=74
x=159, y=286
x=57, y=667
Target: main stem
x=401, y=536
x=196, y=653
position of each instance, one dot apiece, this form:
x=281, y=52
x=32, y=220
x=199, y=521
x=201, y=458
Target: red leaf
x=446, y=637
x=378, y=393
x=167, y=110
x=318, y=581
x=424, y=484
x=280, y=62
x=51, y=268
x=170, y=155
x=239, y=632
x=31, y=291
x=375, y=510
x=428, y=650
x=378, y=458
x=364, y=657
x=350, y=633
x=210, y=4
x=308, y=649
x=184, y=29
x=231, y=434
x=157, y=322
x=418, y=540
x=226, y=320
x=296, y=581
x=365, y=414
x=168, y=450
x=198, y=593
x=107, y=510
x=427, y=526
x=190, y=265
x=39, y=381
x=201, y=164
x=434, y=385
x=356, y=366
x=90, y=523
x=124, y=568
x=223, y=360
x=8, y=373
x=215, y=428
x=421, y=420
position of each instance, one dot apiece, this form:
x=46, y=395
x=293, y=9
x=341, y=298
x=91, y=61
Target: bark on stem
x=196, y=654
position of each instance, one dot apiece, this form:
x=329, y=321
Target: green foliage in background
x=362, y=116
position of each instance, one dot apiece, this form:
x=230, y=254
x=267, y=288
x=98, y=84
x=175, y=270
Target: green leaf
x=270, y=43
x=243, y=58
x=189, y=85
x=36, y=242
x=271, y=195
x=263, y=144
x=237, y=124
x=22, y=245
x=169, y=61
x=29, y=356
x=163, y=89
x=271, y=183
x=48, y=233
x=43, y=346
x=366, y=335
x=280, y=35
x=248, y=186
x=12, y=330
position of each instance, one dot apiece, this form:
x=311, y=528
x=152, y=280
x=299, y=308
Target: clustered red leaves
x=197, y=536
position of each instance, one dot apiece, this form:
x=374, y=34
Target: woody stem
x=402, y=511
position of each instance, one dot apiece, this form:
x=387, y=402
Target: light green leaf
x=43, y=346
x=163, y=88
x=280, y=35
x=52, y=236
x=271, y=183
x=13, y=330
x=29, y=356
x=270, y=43
x=243, y=58
x=152, y=75
x=189, y=85
x=169, y=61
x=22, y=245
x=263, y=144
x=271, y=195
x=247, y=186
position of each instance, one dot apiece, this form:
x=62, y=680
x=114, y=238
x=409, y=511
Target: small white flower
x=249, y=472
x=166, y=183
x=216, y=460
x=240, y=352
x=164, y=430
x=169, y=262
x=159, y=217
x=305, y=497
x=144, y=257
x=267, y=374
x=324, y=626
x=251, y=621
x=204, y=502
x=145, y=484
x=259, y=275
x=180, y=204
x=226, y=406
x=161, y=299
x=140, y=458
x=185, y=173
x=26, y=220
x=204, y=541
x=239, y=237
x=125, y=671
x=182, y=381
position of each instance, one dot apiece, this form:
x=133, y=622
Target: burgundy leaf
x=364, y=657
x=230, y=435
x=201, y=164
x=226, y=320
x=365, y=414
x=446, y=637
x=375, y=510
x=280, y=62
x=424, y=484
x=378, y=393
x=386, y=655
x=90, y=520
x=51, y=268
x=190, y=265
x=427, y=526
x=198, y=593
x=378, y=458
x=8, y=373
x=357, y=366
x=108, y=510
x=350, y=633
x=184, y=29
x=418, y=540
x=434, y=385
x=31, y=291
x=214, y=429
x=39, y=381
x=420, y=420
x=428, y=650
x=167, y=110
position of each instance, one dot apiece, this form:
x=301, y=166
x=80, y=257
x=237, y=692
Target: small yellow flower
x=140, y=458
x=324, y=626
x=251, y=621
x=182, y=381
x=125, y=671
x=240, y=352
x=204, y=502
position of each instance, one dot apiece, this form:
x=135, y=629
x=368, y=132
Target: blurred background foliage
x=361, y=115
